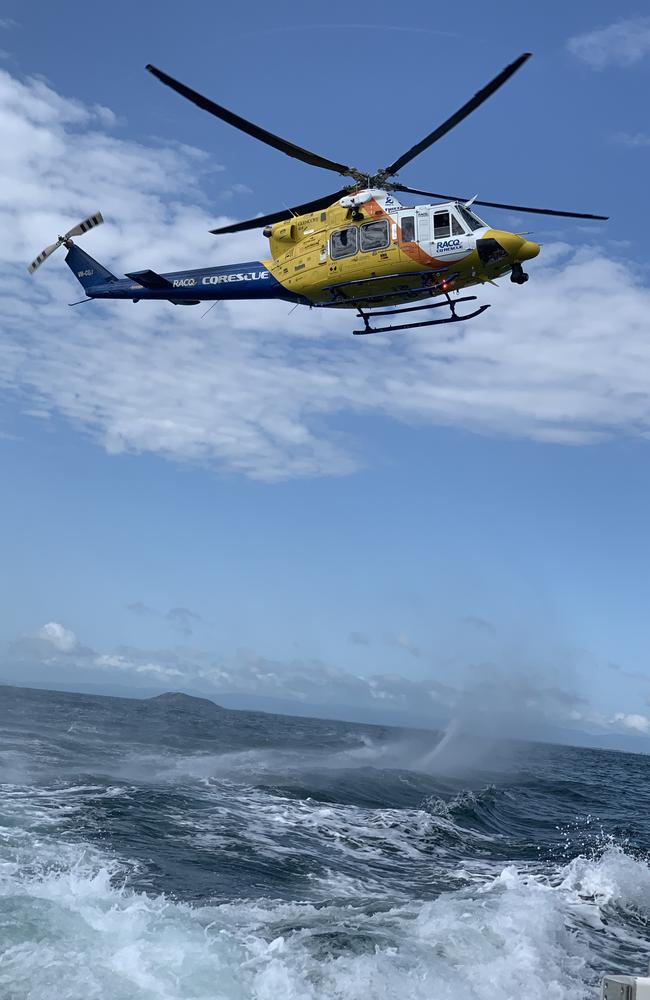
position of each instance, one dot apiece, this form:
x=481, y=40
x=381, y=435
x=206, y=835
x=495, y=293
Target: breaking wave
x=136, y=868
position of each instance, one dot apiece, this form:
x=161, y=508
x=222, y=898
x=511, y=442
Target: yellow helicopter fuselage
x=376, y=251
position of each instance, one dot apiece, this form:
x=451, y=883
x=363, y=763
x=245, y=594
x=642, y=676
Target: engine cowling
x=283, y=232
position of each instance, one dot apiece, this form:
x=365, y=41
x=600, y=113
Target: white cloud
x=484, y=695
x=622, y=43
x=633, y=721
x=521, y=699
x=301, y=681
x=250, y=388
x=113, y=661
x=63, y=639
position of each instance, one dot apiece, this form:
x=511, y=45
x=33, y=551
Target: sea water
x=171, y=850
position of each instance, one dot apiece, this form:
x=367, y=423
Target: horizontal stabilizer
x=149, y=279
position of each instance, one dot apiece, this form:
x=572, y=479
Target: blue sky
x=258, y=505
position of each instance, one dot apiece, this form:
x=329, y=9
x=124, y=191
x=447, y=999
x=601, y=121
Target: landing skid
x=453, y=318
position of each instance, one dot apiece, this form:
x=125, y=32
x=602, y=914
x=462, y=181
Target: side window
x=441, y=226
x=343, y=243
x=374, y=235
x=408, y=228
x=456, y=228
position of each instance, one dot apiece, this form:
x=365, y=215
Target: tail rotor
x=66, y=240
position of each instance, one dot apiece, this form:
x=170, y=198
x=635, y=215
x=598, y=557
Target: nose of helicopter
x=528, y=250
x=516, y=246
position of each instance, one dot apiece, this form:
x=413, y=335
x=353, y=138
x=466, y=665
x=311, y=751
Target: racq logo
x=184, y=282
x=443, y=245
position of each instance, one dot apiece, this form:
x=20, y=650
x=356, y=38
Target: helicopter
x=356, y=248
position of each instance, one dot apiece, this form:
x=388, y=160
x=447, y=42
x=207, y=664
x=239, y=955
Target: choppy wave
x=74, y=928
x=163, y=864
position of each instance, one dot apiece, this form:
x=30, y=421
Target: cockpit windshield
x=472, y=220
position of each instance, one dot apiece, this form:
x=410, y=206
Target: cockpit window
x=374, y=235
x=456, y=228
x=441, y=226
x=472, y=220
x=343, y=243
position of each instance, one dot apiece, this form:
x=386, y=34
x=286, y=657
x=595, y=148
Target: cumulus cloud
x=622, y=43
x=58, y=636
x=313, y=681
x=51, y=645
x=250, y=388
x=636, y=722
x=487, y=699
x=299, y=681
x=140, y=665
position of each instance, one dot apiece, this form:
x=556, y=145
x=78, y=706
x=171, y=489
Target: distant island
x=185, y=702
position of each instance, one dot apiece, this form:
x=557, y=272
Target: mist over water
x=167, y=849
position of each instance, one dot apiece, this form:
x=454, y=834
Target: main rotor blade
x=498, y=204
x=249, y=127
x=286, y=213
x=471, y=105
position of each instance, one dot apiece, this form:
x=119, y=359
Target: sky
x=256, y=506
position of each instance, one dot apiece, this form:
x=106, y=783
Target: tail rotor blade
x=83, y=227
x=78, y=230
x=43, y=255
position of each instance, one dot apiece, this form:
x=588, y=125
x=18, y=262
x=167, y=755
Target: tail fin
x=86, y=269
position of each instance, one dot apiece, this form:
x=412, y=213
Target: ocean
x=171, y=850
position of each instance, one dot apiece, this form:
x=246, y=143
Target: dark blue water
x=170, y=849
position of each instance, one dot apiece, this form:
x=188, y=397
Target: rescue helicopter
x=356, y=248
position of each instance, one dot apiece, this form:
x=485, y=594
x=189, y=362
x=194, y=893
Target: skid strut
x=453, y=318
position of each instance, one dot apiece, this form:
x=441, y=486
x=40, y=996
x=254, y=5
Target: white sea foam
x=70, y=926
x=277, y=826
x=72, y=930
